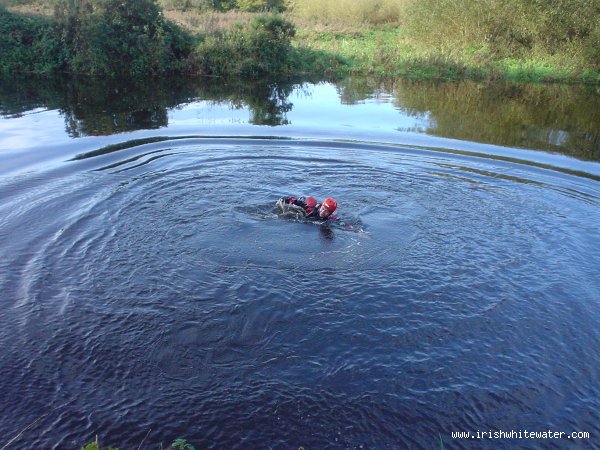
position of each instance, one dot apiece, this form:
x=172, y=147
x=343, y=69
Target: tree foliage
x=26, y=44
x=225, y=5
x=114, y=37
x=262, y=48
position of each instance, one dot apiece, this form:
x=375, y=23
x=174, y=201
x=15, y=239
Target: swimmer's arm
x=293, y=201
x=350, y=227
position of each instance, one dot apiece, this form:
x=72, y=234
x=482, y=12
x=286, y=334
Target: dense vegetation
x=106, y=37
x=547, y=40
x=559, y=33
x=261, y=48
x=225, y=5
x=26, y=44
x=133, y=38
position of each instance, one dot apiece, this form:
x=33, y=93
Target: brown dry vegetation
x=208, y=22
x=35, y=8
x=343, y=14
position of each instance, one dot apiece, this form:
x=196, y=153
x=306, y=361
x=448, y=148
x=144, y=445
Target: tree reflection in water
x=552, y=117
x=97, y=107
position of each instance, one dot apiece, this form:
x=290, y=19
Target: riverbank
x=542, y=41
x=246, y=45
x=387, y=51
x=342, y=47
x=401, y=38
x=132, y=39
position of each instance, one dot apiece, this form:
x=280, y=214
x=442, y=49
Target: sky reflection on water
x=472, y=117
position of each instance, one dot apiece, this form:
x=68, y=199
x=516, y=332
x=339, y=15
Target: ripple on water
x=155, y=288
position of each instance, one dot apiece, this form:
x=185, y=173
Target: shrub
x=506, y=27
x=118, y=37
x=26, y=44
x=591, y=48
x=222, y=5
x=263, y=48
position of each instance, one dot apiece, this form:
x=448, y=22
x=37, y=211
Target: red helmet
x=329, y=204
x=311, y=202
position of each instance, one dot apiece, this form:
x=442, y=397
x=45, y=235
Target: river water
x=150, y=291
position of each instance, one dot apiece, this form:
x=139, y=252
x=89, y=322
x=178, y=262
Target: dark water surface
x=149, y=289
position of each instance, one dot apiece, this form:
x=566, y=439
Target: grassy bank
x=388, y=51
x=542, y=41
x=450, y=39
x=545, y=40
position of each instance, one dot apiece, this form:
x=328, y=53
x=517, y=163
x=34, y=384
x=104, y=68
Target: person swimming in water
x=308, y=207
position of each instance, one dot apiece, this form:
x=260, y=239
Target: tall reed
x=374, y=12
x=567, y=30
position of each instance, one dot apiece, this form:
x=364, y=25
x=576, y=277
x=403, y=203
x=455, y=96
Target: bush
x=591, y=48
x=225, y=5
x=118, y=37
x=26, y=44
x=506, y=27
x=200, y=5
x=222, y=5
x=131, y=38
x=262, y=49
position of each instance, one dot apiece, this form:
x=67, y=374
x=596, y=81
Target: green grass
x=388, y=51
x=391, y=38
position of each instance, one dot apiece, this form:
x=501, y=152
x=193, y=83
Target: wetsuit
x=308, y=205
